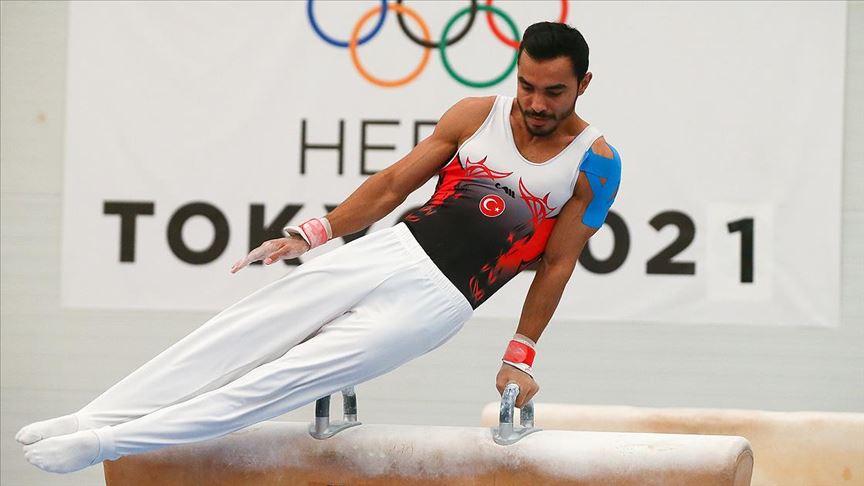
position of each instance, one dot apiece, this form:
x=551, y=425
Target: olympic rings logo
x=425, y=41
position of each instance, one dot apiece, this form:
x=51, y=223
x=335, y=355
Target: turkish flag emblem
x=492, y=205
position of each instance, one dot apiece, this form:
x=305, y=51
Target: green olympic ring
x=449, y=67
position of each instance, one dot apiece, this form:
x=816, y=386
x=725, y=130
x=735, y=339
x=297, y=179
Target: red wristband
x=519, y=352
x=316, y=232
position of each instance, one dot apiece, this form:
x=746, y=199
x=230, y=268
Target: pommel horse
x=349, y=453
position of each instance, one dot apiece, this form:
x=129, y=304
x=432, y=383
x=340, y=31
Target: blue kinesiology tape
x=604, y=175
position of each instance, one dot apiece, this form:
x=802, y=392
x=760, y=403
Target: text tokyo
x=664, y=261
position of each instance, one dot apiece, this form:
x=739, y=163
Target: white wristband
x=525, y=339
x=521, y=367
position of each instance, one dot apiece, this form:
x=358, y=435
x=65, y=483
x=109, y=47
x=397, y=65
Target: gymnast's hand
x=527, y=386
x=272, y=251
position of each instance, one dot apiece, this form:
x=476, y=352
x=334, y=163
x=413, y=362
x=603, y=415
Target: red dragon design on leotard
x=522, y=252
x=476, y=253
x=449, y=180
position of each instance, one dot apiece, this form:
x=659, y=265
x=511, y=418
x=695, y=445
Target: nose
x=537, y=104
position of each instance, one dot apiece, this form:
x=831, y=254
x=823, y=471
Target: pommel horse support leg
x=322, y=428
x=285, y=453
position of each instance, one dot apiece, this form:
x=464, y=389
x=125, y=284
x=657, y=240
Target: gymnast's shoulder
x=471, y=107
x=603, y=149
x=466, y=115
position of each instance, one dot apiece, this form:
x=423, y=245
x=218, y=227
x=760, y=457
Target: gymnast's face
x=547, y=92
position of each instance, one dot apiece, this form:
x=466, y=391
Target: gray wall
x=55, y=360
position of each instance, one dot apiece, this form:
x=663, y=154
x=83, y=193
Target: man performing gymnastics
x=520, y=180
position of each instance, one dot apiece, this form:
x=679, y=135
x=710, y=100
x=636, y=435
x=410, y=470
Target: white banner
x=196, y=130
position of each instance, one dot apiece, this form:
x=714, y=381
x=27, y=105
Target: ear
x=584, y=84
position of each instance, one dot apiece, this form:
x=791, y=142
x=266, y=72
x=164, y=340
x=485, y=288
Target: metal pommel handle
x=505, y=433
x=322, y=428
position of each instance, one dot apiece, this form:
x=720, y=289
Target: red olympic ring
x=490, y=19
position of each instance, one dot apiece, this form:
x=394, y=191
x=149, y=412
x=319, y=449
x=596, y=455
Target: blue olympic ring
x=337, y=42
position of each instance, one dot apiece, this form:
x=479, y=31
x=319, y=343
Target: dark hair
x=548, y=40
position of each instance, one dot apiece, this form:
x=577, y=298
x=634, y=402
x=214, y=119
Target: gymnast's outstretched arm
x=383, y=192
x=584, y=213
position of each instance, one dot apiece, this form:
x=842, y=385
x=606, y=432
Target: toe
x=25, y=437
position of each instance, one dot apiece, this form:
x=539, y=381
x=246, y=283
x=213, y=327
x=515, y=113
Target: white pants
x=342, y=318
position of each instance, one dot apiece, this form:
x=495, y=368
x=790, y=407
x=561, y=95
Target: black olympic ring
x=436, y=45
